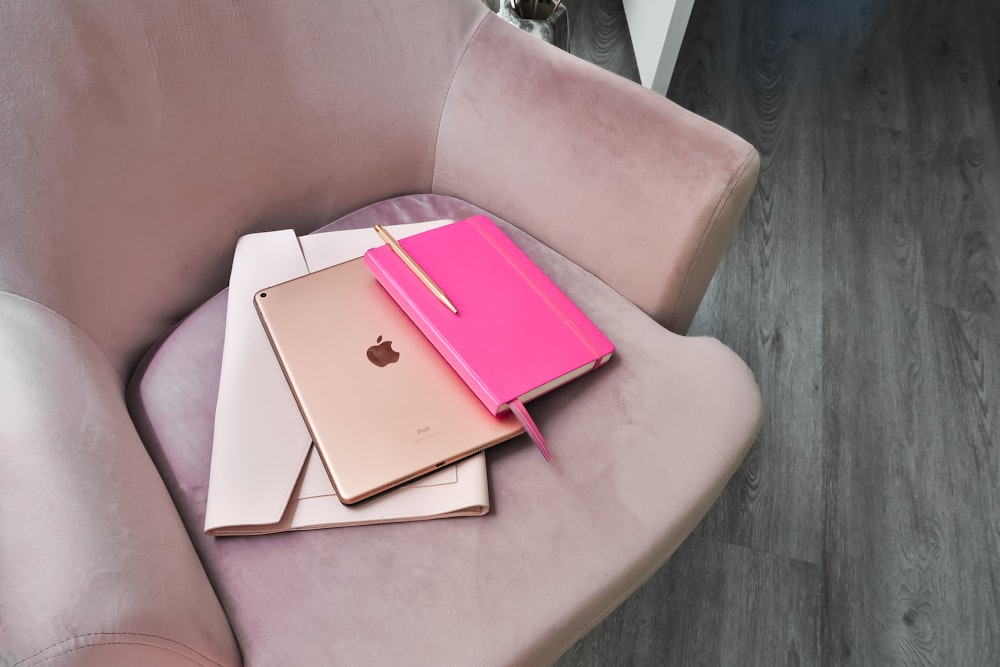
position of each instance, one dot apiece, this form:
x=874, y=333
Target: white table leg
x=657, y=29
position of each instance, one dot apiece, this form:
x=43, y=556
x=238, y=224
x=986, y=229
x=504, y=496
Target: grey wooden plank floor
x=862, y=289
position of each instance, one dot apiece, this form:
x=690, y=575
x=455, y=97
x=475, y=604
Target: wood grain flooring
x=862, y=288
x=598, y=33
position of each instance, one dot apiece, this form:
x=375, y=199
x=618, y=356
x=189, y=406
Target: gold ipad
x=383, y=407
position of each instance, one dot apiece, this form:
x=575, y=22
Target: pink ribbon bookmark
x=517, y=407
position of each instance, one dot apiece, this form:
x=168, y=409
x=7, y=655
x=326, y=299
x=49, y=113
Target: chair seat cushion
x=642, y=448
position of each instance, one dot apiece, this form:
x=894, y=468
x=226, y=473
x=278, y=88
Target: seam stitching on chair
x=86, y=646
x=447, y=97
x=121, y=643
x=723, y=200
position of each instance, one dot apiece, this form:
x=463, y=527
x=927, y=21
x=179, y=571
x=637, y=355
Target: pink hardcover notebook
x=516, y=335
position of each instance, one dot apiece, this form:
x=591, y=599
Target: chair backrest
x=138, y=140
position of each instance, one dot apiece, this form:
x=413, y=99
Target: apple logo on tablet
x=381, y=354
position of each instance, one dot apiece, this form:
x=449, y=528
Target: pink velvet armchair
x=139, y=140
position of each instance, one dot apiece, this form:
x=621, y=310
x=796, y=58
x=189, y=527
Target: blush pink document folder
x=266, y=475
x=516, y=335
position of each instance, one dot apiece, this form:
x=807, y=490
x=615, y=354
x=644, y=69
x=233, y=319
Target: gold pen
x=413, y=266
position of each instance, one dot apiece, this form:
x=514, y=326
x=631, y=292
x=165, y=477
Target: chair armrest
x=625, y=183
x=95, y=565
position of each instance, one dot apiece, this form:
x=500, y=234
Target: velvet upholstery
x=642, y=448
x=95, y=566
x=139, y=140
x=179, y=126
x=666, y=208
